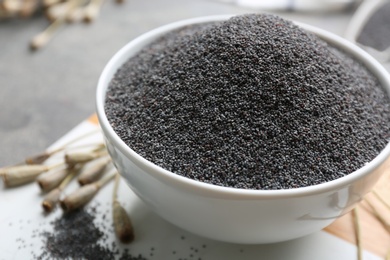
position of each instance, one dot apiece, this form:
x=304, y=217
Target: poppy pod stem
x=41, y=39
x=380, y=198
x=357, y=233
x=376, y=213
x=106, y=178
x=41, y=157
x=122, y=223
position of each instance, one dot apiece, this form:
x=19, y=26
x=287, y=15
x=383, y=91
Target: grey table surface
x=45, y=94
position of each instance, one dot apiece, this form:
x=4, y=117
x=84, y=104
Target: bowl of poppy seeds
x=246, y=129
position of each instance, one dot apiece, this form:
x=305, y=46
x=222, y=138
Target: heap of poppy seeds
x=254, y=102
x=76, y=236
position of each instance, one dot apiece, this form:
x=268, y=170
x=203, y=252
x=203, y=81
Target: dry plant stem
x=358, y=233
x=83, y=195
x=94, y=131
x=381, y=219
x=40, y=158
x=18, y=175
x=83, y=157
x=92, y=173
x=122, y=223
x=100, y=147
x=66, y=144
x=92, y=10
x=52, y=198
x=379, y=197
x=44, y=37
x=51, y=180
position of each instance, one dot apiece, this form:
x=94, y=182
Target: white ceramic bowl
x=229, y=214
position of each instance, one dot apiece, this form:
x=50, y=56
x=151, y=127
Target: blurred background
x=47, y=91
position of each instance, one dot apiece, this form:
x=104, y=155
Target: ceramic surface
x=237, y=215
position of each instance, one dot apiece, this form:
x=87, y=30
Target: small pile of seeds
x=254, y=102
x=76, y=236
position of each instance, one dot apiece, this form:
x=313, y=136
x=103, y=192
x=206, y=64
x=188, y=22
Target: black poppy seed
x=254, y=102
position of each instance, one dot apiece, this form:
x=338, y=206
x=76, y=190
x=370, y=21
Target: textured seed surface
x=254, y=102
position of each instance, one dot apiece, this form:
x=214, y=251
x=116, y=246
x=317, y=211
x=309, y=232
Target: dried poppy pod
x=73, y=158
x=122, y=223
x=51, y=180
x=18, y=175
x=52, y=198
x=83, y=195
x=92, y=10
x=93, y=170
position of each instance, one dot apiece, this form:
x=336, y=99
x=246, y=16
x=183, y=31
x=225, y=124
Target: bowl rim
x=206, y=189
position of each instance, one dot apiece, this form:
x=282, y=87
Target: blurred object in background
x=296, y=5
x=58, y=12
x=370, y=29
